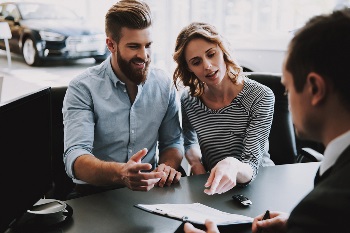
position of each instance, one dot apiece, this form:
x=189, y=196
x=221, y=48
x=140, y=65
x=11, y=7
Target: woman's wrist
x=244, y=170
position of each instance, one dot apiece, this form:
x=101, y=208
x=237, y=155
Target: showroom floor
x=19, y=78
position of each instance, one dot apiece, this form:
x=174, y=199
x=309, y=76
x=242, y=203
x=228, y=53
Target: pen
x=266, y=216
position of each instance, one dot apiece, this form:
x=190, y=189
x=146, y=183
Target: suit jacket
x=327, y=207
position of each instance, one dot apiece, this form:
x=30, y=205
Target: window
x=253, y=25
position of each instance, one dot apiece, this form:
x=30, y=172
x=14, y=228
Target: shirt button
x=124, y=90
x=130, y=151
x=132, y=131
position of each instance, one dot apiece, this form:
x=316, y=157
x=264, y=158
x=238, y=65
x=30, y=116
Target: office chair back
x=282, y=139
x=62, y=184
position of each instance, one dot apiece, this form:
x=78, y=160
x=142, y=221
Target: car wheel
x=30, y=54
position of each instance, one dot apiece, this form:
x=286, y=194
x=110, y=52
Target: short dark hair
x=132, y=14
x=323, y=46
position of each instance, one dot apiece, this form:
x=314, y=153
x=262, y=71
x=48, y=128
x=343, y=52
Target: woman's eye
x=196, y=63
x=211, y=55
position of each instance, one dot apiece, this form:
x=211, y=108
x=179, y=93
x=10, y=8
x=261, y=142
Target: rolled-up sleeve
x=78, y=120
x=170, y=135
x=189, y=133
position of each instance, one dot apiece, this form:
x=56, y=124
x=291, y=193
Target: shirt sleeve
x=189, y=134
x=78, y=120
x=170, y=135
x=258, y=131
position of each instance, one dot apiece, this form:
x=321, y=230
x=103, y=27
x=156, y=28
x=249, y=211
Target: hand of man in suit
x=276, y=223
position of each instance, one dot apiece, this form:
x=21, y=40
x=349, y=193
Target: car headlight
x=51, y=36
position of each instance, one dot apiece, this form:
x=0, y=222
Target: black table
x=275, y=188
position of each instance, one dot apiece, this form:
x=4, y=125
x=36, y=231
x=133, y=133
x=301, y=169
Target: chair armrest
x=309, y=155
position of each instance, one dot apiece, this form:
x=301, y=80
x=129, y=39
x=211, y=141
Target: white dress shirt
x=334, y=150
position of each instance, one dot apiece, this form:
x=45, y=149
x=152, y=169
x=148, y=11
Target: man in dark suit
x=316, y=76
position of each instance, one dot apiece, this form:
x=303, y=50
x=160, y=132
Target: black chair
x=285, y=148
x=62, y=184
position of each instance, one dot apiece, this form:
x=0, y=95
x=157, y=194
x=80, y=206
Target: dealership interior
x=258, y=32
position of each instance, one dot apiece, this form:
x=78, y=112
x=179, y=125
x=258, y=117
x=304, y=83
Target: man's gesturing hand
x=134, y=178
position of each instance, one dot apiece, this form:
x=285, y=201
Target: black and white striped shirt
x=240, y=130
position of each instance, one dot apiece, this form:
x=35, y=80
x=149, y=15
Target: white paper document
x=196, y=213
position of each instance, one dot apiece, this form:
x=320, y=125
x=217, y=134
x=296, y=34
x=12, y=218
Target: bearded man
x=121, y=118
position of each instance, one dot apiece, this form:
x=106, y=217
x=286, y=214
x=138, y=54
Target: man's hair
x=209, y=33
x=132, y=14
x=323, y=46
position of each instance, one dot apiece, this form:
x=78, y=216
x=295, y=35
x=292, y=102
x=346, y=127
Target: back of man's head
x=323, y=46
x=132, y=14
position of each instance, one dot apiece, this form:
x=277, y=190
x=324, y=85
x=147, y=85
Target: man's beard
x=137, y=76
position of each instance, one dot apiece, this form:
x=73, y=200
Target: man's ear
x=317, y=88
x=111, y=45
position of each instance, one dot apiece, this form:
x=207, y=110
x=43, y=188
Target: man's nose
x=143, y=54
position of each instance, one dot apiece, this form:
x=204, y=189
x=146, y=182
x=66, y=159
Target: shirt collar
x=334, y=150
x=113, y=77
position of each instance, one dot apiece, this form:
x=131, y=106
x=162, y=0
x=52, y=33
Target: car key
x=243, y=200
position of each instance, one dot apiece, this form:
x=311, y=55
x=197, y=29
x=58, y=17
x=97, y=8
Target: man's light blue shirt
x=100, y=120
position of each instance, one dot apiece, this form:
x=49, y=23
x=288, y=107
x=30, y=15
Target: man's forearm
x=171, y=157
x=96, y=172
x=193, y=156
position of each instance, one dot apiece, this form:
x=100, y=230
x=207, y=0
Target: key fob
x=243, y=200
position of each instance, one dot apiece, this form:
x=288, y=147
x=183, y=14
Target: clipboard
x=195, y=213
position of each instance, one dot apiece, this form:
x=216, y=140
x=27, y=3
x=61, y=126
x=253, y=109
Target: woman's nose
x=207, y=65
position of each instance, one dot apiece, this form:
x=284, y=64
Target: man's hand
x=210, y=225
x=198, y=169
x=277, y=223
x=170, y=175
x=134, y=178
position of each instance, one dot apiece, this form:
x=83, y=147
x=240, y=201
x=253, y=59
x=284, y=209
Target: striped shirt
x=239, y=130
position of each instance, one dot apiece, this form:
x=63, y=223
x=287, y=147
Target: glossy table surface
x=275, y=188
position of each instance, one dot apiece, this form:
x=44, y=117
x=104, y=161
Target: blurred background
x=247, y=24
x=258, y=30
